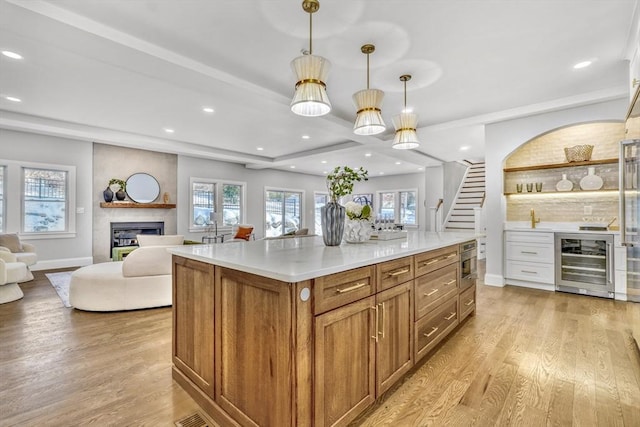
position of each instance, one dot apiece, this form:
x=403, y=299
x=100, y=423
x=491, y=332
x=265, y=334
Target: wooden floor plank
x=527, y=357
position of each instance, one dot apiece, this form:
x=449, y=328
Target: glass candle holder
x=538, y=187
x=529, y=187
x=519, y=188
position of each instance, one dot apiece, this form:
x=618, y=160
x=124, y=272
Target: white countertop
x=297, y=259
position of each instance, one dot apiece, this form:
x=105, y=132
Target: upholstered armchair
x=24, y=252
x=11, y=271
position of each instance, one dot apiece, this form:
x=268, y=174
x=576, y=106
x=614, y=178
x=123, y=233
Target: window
x=2, y=198
x=398, y=205
x=283, y=211
x=45, y=200
x=320, y=199
x=208, y=196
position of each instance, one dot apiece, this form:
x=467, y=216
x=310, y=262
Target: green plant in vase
x=121, y=193
x=339, y=183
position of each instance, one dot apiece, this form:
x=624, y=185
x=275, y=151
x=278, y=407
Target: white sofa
x=142, y=280
x=24, y=252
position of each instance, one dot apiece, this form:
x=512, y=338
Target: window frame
x=218, y=204
x=396, y=205
x=302, y=222
x=14, y=211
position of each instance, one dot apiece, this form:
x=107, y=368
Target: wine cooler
x=584, y=264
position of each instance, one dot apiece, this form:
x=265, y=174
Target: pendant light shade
x=405, y=123
x=368, y=103
x=310, y=98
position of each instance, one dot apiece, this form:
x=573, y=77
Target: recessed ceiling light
x=582, y=64
x=420, y=169
x=11, y=55
x=323, y=162
x=305, y=137
x=398, y=163
x=381, y=173
x=325, y=172
x=208, y=110
x=292, y=167
x=168, y=130
x=12, y=99
x=464, y=148
x=260, y=148
x=367, y=154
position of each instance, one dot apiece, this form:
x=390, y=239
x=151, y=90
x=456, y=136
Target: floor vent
x=193, y=420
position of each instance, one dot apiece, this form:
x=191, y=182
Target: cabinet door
x=254, y=352
x=344, y=383
x=193, y=324
x=394, y=354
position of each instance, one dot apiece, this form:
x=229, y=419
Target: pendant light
x=310, y=98
x=405, y=124
x=368, y=102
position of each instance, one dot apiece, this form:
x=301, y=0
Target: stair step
x=474, y=179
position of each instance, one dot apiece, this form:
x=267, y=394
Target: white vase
x=564, y=184
x=591, y=181
x=357, y=230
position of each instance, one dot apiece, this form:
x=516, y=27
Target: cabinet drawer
x=530, y=272
x=433, y=260
x=467, y=302
x=529, y=236
x=392, y=273
x=431, y=329
x=435, y=287
x=531, y=252
x=336, y=290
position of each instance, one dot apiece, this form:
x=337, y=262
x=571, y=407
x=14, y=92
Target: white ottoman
x=10, y=273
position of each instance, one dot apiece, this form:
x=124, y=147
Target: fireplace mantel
x=138, y=205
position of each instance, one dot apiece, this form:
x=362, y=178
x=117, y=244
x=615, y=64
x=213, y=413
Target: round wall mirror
x=142, y=188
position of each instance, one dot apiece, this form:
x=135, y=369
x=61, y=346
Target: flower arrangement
x=356, y=211
x=120, y=182
x=340, y=181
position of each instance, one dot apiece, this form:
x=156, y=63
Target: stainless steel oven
x=468, y=264
x=584, y=264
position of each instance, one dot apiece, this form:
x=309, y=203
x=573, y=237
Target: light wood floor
x=528, y=357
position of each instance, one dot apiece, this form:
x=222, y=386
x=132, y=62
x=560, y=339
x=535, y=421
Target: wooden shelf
x=132, y=205
x=562, y=165
x=535, y=193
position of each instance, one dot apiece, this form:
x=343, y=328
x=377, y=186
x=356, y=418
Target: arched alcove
x=542, y=161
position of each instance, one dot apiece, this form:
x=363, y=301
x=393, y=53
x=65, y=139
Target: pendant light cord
x=368, y=71
x=405, y=96
x=310, y=33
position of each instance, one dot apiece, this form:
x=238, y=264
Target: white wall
x=29, y=147
x=454, y=173
x=503, y=138
x=434, y=189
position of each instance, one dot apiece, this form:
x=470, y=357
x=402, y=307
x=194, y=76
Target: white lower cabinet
x=529, y=257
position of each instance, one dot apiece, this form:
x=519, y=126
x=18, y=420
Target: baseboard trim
x=494, y=280
x=52, y=264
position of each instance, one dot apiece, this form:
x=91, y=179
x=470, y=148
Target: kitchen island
x=293, y=333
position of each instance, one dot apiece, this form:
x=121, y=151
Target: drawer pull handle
x=468, y=303
x=383, y=321
x=399, y=272
x=451, y=316
x=529, y=271
x=431, y=293
x=433, y=331
x=450, y=282
x=529, y=252
x=351, y=288
x=432, y=261
x=450, y=256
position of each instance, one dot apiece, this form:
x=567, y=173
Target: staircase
x=470, y=195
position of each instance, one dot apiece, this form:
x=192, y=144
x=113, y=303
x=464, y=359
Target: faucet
x=534, y=221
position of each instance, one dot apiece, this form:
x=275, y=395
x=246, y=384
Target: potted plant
x=121, y=193
x=339, y=183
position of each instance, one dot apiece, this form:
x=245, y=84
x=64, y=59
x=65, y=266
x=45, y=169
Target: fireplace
x=124, y=233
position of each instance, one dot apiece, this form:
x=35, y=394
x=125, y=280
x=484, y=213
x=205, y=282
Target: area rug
x=60, y=282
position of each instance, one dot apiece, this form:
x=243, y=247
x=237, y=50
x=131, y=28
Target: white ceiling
x=120, y=71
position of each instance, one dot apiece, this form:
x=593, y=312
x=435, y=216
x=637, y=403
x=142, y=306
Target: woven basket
x=578, y=153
